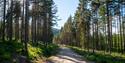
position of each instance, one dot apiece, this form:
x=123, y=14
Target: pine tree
x=17, y=13
x=4, y=18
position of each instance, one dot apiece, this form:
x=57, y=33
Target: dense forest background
x=25, y=20
x=96, y=31
x=26, y=28
x=97, y=25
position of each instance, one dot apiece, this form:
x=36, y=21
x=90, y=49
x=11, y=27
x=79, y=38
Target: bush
x=50, y=50
x=8, y=48
x=98, y=57
x=34, y=51
x=42, y=50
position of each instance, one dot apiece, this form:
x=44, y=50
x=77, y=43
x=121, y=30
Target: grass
x=34, y=52
x=8, y=49
x=50, y=50
x=100, y=57
x=42, y=50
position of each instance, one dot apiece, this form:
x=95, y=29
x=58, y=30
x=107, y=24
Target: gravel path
x=66, y=55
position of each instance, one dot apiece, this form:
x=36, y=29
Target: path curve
x=66, y=55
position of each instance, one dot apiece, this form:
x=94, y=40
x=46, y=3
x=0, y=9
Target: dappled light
x=36, y=31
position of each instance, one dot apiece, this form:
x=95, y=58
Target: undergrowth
x=99, y=57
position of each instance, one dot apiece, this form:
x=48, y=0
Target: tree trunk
x=4, y=19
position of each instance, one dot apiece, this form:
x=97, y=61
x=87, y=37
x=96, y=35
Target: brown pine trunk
x=4, y=18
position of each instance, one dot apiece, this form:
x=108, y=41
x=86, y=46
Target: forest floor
x=66, y=55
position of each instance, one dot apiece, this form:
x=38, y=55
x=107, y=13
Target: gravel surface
x=66, y=55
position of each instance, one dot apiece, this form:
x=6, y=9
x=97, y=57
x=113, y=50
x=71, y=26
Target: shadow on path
x=66, y=55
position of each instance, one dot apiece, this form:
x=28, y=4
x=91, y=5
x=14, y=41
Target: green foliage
x=34, y=52
x=66, y=34
x=8, y=48
x=41, y=50
x=50, y=50
x=99, y=57
x=102, y=10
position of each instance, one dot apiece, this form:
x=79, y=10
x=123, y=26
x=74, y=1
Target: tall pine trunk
x=4, y=19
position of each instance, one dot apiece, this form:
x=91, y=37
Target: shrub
x=99, y=57
x=8, y=48
x=34, y=51
x=50, y=50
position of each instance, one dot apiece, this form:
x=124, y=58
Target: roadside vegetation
x=13, y=51
x=99, y=56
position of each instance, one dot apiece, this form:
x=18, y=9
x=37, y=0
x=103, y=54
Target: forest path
x=66, y=55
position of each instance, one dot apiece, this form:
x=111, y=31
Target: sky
x=65, y=9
